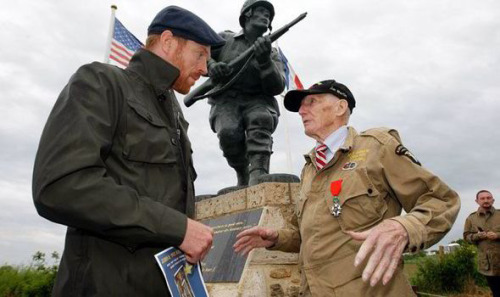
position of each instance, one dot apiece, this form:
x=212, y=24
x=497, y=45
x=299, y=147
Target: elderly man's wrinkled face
x=318, y=115
x=191, y=59
x=485, y=199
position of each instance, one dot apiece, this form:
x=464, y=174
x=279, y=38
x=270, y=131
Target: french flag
x=292, y=80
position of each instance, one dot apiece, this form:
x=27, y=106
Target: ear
x=342, y=108
x=167, y=42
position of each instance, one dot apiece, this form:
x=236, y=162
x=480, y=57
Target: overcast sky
x=428, y=68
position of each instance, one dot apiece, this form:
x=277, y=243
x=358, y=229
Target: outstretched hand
x=254, y=237
x=386, y=243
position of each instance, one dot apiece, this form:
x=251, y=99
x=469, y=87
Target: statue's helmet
x=249, y=4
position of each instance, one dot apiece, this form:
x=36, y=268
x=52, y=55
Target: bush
x=35, y=280
x=448, y=273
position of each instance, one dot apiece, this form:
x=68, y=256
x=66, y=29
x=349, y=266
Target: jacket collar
x=155, y=71
x=239, y=34
x=346, y=147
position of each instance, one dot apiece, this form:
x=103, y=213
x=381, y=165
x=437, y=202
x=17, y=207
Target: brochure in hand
x=183, y=279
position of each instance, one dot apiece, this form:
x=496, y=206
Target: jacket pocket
x=361, y=202
x=482, y=261
x=147, y=138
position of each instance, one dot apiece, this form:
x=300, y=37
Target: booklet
x=183, y=279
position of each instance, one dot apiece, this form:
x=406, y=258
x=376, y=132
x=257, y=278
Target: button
x=173, y=141
x=370, y=191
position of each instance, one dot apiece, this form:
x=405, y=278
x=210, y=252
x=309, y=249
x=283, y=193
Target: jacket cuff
x=415, y=230
x=288, y=241
x=174, y=226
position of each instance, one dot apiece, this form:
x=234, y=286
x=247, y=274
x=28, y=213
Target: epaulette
x=382, y=134
x=226, y=33
x=474, y=212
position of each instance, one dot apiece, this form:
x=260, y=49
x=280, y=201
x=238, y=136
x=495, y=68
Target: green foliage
x=35, y=280
x=448, y=273
x=414, y=258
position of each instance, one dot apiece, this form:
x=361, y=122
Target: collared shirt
x=334, y=141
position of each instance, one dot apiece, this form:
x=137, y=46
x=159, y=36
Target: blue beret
x=185, y=24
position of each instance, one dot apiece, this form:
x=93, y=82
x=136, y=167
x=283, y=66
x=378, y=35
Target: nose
x=203, y=68
x=302, y=109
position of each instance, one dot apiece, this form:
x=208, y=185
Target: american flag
x=291, y=79
x=123, y=45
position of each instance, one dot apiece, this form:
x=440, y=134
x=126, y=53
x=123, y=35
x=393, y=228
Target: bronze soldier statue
x=245, y=115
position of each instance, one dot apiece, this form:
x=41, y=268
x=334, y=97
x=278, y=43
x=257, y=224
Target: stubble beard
x=181, y=84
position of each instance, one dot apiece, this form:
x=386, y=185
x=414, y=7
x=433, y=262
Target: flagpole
x=110, y=33
x=287, y=132
x=287, y=136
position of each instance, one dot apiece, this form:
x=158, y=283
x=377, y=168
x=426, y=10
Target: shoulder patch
x=401, y=150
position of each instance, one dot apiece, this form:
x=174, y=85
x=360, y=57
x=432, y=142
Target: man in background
x=114, y=164
x=482, y=228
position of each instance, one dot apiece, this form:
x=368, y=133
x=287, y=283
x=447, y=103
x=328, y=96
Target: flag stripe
x=123, y=55
x=120, y=49
x=292, y=81
x=124, y=63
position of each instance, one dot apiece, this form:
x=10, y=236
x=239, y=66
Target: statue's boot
x=242, y=175
x=259, y=165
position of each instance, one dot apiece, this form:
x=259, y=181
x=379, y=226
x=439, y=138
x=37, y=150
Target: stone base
x=266, y=273
x=278, y=178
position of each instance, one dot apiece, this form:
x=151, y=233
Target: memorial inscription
x=222, y=264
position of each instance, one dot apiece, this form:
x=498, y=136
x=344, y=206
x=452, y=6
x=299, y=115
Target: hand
x=219, y=70
x=197, y=241
x=481, y=235
x=491, y=235
x=386, y=243
x=263, y=49
x=255, y=237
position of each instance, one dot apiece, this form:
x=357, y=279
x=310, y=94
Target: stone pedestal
x=266, y=273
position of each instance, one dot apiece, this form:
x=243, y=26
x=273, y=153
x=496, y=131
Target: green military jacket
x=488, y=250
x=380, y=178
x=114, y=165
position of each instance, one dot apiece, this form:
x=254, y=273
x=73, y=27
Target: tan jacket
x=380, y=178
x=489, y=250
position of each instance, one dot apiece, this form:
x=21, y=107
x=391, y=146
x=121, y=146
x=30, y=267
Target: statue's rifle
x=240, y=63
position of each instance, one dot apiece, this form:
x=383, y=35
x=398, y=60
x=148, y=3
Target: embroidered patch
x=349, y=166
x=402, y=151
x=358, y=155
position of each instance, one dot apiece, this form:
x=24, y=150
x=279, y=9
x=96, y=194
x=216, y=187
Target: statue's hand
x=263, y=50
x=219, y=70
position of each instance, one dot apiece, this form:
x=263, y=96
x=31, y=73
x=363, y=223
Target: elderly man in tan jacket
x=348, y=225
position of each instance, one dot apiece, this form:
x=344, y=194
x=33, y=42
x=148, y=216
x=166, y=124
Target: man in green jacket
x=114, y=164
x=482, y=228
